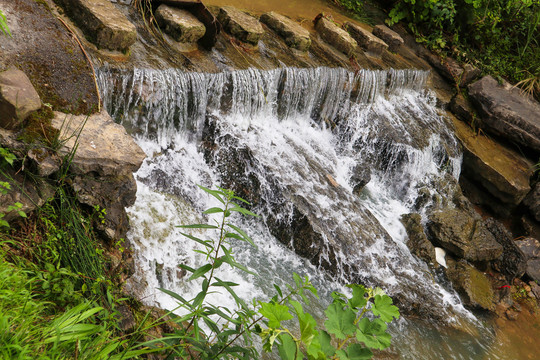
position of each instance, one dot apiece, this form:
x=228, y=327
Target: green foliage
x=3, y=24
x=215, y=332
x=357, y=9
x=500, y=36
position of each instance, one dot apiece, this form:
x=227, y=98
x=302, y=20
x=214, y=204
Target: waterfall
x=296, y=139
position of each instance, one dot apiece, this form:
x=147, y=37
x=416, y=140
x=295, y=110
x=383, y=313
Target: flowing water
x=297, y=139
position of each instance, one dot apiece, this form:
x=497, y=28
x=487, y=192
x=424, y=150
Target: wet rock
x=531, y=249
x=242, y=26
x=390, y=37
x=126, y=320
x=462, y=108
x=103, y=165
x=418, y=242
x=463, y=234
x=535, y=289
x=470, y=73
x=294, y=34
x=513, y=262
x=18, y=98
x=505, y=112
x=366, y=39
x=102, y=22
x=511, y=314
x=501, y=171
x=360, y=177
x=180, y=24
x=335, y=36
x=532, y=201
x=474, y=287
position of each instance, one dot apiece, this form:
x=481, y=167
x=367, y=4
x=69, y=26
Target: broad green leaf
x=326, y=343
x=200, y=271
x=373, y=333
x=358, y=352
x=275, y=313
x=358, y=299
x=342, y=355
x=269, y=336
x=307, y=324
x=288, y=349
x=340, y=321
x=382, y=306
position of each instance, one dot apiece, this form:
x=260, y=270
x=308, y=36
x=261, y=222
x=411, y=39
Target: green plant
x=3, y=24
x=213, y=332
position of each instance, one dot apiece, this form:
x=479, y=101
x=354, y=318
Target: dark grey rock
x=18, y=98
x=463, y=234
x=505, y=112
x=531, y=249
x=418, y=242
x=462, y=108
x=513, y=262
x=360, y=177
x=532, y=201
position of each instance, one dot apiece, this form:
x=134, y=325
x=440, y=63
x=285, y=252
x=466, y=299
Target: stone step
x=294, y=35
x=180, y=24
x=392, y=38
x=102, y=23
x=365, y=39
x=335, y=36
x=502, y=172
x=242, y=26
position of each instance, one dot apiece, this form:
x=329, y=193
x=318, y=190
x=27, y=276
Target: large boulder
x=180, y=24
x=474, y=287
x=463, y=234
x=531, y=249
x=336, y=36
x=18, y=98
x=103, y=158
x=294, y=34
x=501, y=171
x=532, y=201
x=366, y=39
x=242, y=26
x=102, y=22
x=506, y=112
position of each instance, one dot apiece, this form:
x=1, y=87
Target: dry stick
x=87, y=59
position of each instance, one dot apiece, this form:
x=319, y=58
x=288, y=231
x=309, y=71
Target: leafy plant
x=3, y=24
x=214, y=332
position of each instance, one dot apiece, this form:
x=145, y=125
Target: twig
x=87, y=59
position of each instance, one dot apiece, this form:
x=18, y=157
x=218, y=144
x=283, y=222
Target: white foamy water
x=305, y=131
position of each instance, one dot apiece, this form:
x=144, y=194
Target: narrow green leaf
x=207, y=243
x=175, y=296
x=243, y=211
x=213, y=210
x=197, y=226
x=200, y=271
x=214, y=193
x=242, y=233
x=278, y=289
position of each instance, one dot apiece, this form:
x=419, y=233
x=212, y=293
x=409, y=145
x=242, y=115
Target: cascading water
x=295, y=141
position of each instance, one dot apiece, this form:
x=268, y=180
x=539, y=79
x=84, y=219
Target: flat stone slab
x=389, y=36
x=365, y=39
x=506, y=112
x=335, y=36
x=103, y=146
x=180, y=24
x=18, y=98
x=102, y=22
x=242, y=26
x=503, y=172
x=294, y=34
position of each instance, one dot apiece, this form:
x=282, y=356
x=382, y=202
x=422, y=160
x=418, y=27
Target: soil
x=44, y=49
